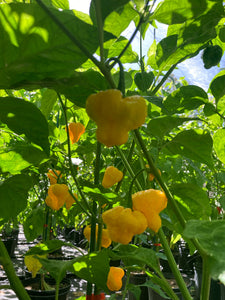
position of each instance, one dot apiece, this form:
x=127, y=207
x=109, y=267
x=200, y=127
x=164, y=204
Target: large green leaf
x=34, y=223
x=162, y=125
x=219, y=144
x=13, y=195
x=33, y=49
x=194, y=145
x=210, y=236
x=125, y=16
x=107, y=7
x=23, y=117
x=81, y=85
x=48, y=99
x=178, y=11
x=192, y=199
x=16, y=158
x=133, y=255
x=94, y=268
x=185, y=98
x=217, y=86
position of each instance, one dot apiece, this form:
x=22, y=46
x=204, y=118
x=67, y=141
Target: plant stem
x=15, y=283
x=100, y=28
x=141, y=21
x=94, y=210
x=173, y=266
x=71, y=164
x=206, y=279
x=124, y=169
x=126, y=285
x=128, y=167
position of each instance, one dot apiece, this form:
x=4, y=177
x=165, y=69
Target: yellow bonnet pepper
x=75, y=131
x=57, y=195
x=114, y=279
x=123, y=223
x=53, y=176
x=150, y=202
x=112, y=175
x=115, y=116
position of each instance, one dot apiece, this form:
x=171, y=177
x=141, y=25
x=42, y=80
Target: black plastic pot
x=137, y=279
x=10, y=244
x=37, y=294
x=170, y=277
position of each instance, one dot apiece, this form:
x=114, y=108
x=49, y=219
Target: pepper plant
x=60, y=67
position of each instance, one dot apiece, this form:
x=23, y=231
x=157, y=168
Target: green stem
x=155, y=90
x=206, y=279
x=126, y=285
x=15, y=283
x=124, y=169
x=71, y=164
x=100, y=28
x=141, y=21
x=173, y=266
x=94, y=210
x=128, y=167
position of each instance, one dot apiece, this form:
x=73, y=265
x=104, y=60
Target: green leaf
x=81, y=85
x=217, y=85
x=119, y=20
x=107, y=7
x=23, y=117
x=209, y=235
x=34, y=223
x=178, y=11
x=94, y=268
x=162, y=125
x=194, y=145
x=114, y=48
x=132, y=255
x=48, y=99
x=16, y=158
x=219, y=144
x=185, y=98
x=64, y=4
x=13, y=195
x=32, y=54
x=188, y=38
x=192, y=199
x=56, y=268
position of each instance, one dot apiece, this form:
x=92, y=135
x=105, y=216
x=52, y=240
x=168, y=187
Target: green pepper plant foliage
x=51, y=60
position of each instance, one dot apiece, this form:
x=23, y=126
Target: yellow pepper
x=57, y=195
x=112, y=175
x=70, y=200
x=115, y=116
x=114, y=279
x=75, y=131
x=54, y=176
x=150, y=202
x=105, y=242
x=123, y=223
